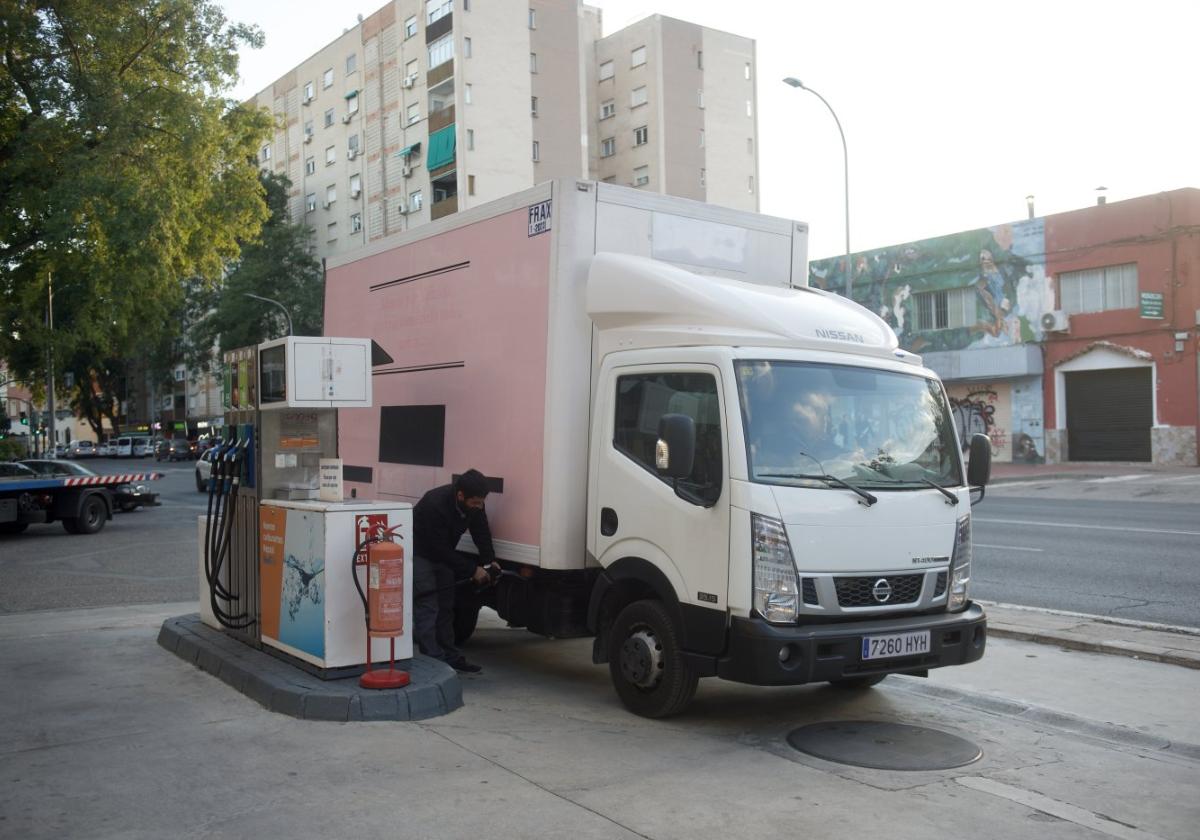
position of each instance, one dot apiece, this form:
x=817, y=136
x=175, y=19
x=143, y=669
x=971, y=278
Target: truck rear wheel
x=649, y=670
x=93, y=513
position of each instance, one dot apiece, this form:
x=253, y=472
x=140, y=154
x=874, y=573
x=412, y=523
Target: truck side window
x=645, y=397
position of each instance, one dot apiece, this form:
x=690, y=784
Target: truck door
x=639, y=513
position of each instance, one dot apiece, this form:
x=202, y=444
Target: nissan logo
x=882, y=590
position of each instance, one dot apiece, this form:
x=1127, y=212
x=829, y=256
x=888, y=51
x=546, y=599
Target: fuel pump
x=228, y=464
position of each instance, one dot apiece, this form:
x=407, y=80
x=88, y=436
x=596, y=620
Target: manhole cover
x=884, y=746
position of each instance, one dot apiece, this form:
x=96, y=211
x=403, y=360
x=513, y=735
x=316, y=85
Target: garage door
x=1109, y=414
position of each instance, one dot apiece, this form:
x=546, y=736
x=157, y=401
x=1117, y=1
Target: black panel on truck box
x=412, y=434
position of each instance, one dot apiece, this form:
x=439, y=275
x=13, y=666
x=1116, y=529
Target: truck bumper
x=820, y=653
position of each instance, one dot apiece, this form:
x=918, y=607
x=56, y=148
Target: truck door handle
x=608, y=521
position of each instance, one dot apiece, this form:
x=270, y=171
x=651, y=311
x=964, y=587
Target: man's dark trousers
x=433, y=612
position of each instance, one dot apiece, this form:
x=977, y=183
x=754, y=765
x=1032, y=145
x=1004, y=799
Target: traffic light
x=24, y=419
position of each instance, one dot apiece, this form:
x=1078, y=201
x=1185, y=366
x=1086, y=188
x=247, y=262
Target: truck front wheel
x=93, y=513
x=649, y=670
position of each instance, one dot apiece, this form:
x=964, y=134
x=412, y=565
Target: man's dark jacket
x=438, y=524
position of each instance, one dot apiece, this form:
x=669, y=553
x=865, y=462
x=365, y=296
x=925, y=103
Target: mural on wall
x=989, y=409
x=966, y=291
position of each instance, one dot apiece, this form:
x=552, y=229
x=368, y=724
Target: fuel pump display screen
x=272, y=366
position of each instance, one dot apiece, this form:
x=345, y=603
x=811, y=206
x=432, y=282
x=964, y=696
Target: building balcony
x=441, y=118
x=444, y=207
x=438, y=74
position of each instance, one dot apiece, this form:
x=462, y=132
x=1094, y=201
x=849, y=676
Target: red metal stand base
x=384, y=678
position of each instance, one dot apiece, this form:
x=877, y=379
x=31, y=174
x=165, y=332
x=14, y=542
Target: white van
x=143, y=447
x=123, y=448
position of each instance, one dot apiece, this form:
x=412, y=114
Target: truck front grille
x=859, y=591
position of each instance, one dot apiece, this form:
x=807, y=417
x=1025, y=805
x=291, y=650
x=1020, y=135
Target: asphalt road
x=146, y=556
x=1062, y=548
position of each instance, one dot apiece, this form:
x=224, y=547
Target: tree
x=123, y=171
x=280, y=265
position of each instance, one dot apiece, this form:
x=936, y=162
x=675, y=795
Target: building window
x=265, y=155
x=641, y=136
x=702, y=138
x=637, y=97
x=1098, y=289
x=412, y=69
x=750, y=183
x=466, y=5
x=750, y=145
x=533, y=19
x=533, y=62
x=437, y=9
x=533, y=105
x=608, y=147
x=641, y=176
x=413, y=113
x=330, y=155
x=699, y=59
x=536, y=151
x=747, y=71
x=330, y=194
x=607, y=109
x=310, y=165
x=441, y=51
x=700, y=98
x=329, y=118
x=410, y=27
x=310, y=202
x=470, y=185
x=308, y=128
x=467, y=94
x=470, y=139
x=606, y=70
x=352, y=103
x=944, y=310
x=308, y=91
x=327, y=79
x=331, y=231
x=466, y=47
x=414, y=201
x=355, y=185
x=749, y=109
x=355, y=222
x=352, y=144
x=637, y=57
x=703, y=177
x=351, y=63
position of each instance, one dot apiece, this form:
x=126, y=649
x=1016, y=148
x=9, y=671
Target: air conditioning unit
x=1056, y=321
x=307, y=138
x=306, y=100
x=401, y=208
x=347, y=117
x=352, y=154
x=355, y=193
x=408, y=81
x=325, y=205
x=406, y=171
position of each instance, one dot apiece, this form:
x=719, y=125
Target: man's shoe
x=465, y=667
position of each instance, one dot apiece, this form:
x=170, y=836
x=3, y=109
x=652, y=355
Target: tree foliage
x=123, y=172
x=279, y=264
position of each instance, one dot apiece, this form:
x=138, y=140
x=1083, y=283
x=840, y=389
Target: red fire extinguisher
x=383, y=602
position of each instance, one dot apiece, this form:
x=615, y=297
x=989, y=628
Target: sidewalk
x=1139, y=640
x=1002, y=473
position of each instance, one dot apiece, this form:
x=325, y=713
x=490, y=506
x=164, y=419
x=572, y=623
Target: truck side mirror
x=979, y=467
x=675, y=451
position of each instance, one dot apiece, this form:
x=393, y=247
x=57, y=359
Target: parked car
x=175, y=449
x=204, y=469
x=104, y=450
x=123, y=447
x=142, y=448
x=126, y=497
x=61, y=451
x=83, y=449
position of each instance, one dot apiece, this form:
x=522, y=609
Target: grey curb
x=1168, y=657
x=435, y=688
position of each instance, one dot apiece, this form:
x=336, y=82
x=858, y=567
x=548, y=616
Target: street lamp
x=276, y=303
x=796, y=83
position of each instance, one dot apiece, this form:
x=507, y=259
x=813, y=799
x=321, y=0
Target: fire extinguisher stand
x=383, y=604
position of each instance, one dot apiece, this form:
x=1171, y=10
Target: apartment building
x=428, y=107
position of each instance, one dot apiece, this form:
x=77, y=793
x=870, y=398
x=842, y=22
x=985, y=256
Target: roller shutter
x=1109, y=414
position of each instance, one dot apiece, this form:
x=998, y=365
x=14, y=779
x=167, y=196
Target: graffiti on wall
x=971, y=290
x=988, y=409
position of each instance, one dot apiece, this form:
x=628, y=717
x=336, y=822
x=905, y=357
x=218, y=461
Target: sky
x=953, y=112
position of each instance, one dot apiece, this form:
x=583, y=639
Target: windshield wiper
x=951, y=498
x=828, y=479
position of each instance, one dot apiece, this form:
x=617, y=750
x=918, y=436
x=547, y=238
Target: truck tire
x=857, y=683
x=93, y=513
x=13, y=527
x=649, y=670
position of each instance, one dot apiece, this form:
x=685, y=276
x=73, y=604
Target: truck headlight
x=960, y=563
x=775, y=584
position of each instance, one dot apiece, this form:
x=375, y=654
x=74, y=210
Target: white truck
x=708, y=466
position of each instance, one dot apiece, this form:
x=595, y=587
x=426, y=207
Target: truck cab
x=777, y=492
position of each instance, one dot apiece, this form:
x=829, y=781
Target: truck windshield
x=871, y=428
